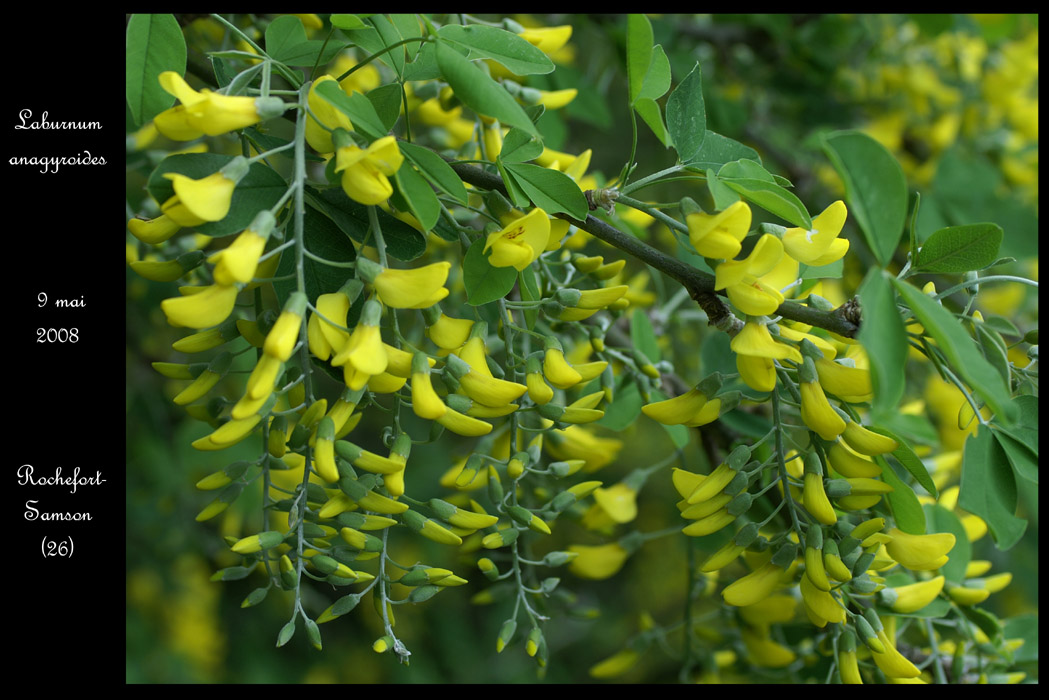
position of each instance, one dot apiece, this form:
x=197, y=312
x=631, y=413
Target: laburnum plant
x=430, y=330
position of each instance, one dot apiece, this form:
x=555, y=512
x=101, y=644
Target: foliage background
x=954, y=97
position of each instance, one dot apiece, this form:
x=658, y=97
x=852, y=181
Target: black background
x=63, y=399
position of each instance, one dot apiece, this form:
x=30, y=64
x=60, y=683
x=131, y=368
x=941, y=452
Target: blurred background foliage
x=954, y=97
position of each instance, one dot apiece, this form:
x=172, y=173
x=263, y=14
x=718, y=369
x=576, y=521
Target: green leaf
x=959, y=349
x=651, y=115
x=745, y=168
x=906, y=509
x=994, y=350
x=550, y=190
x=679, y=435
x=643, y=336
x=403, y=242
x=479, y=92
x=772, y=198
x=389, y=35
x=988, y=488
x=517, y=55
x=1024, y=627
x=717, y=150
x=513, y=188
x=960, y=249
x=260, y=189
x=942, y=520
x=1024, y=462
x=435, y=169
x=520, y=146
x=687, y=116
x=883, y=337
x=988, y=623
x=624, y=409
x=638, y=53
x=343, y=21
x=483, y=282
x=386, y=99
x=321, y=237
x=875, y=188
x=286, y=42
x=357, y=107
x=420, y=197
x=723, y=196
x=657, y=80
x=154, y=44
x=832, y=270
x=529, y=286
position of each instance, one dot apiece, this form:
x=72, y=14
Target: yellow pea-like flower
x=849, y=464
x=819, y=245
x=815, y=500
x=198, y=201
x=207, y=307
x=867, y=442
x=916, y=596
x=615, y=665
x=891, y=662
x=713, y=484
x=597, y=562
x=849, y=384
x=822, y=603
x=764, y=651
x=754, y=586
x=416, y=288
x=677, y=410
x=522, y=241
x=450, y=333
x=920, y=552
x=462, y=424
x=849, y=668
x=817, y=413
x=557, y=370
x=719, y=235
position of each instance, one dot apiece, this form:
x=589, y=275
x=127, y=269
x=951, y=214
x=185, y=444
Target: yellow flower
x=817, y=413
x=365, y=171
x=425, y=401
x=740, y=277
x=867, y=442
x=849, y=384
x=522, y=241
x=678, y=410
x=154, y=231
x=820, y=245
x=208, y=307
x=597, y=562
x=719, y=235
x=915, y=596
x=416, y=288
x=449, y=333
x=753, y=587
x=325, y=338
x=363, y=355
x=764, y=651
x=207, y=112
x=238, y=261
x=618, y=501
x=615, y=665
x=323, y=114
x=557, y=370
x=281, y=340
x=548, y=39
x=919, y=552
x=207, y=199
x=756, y=351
